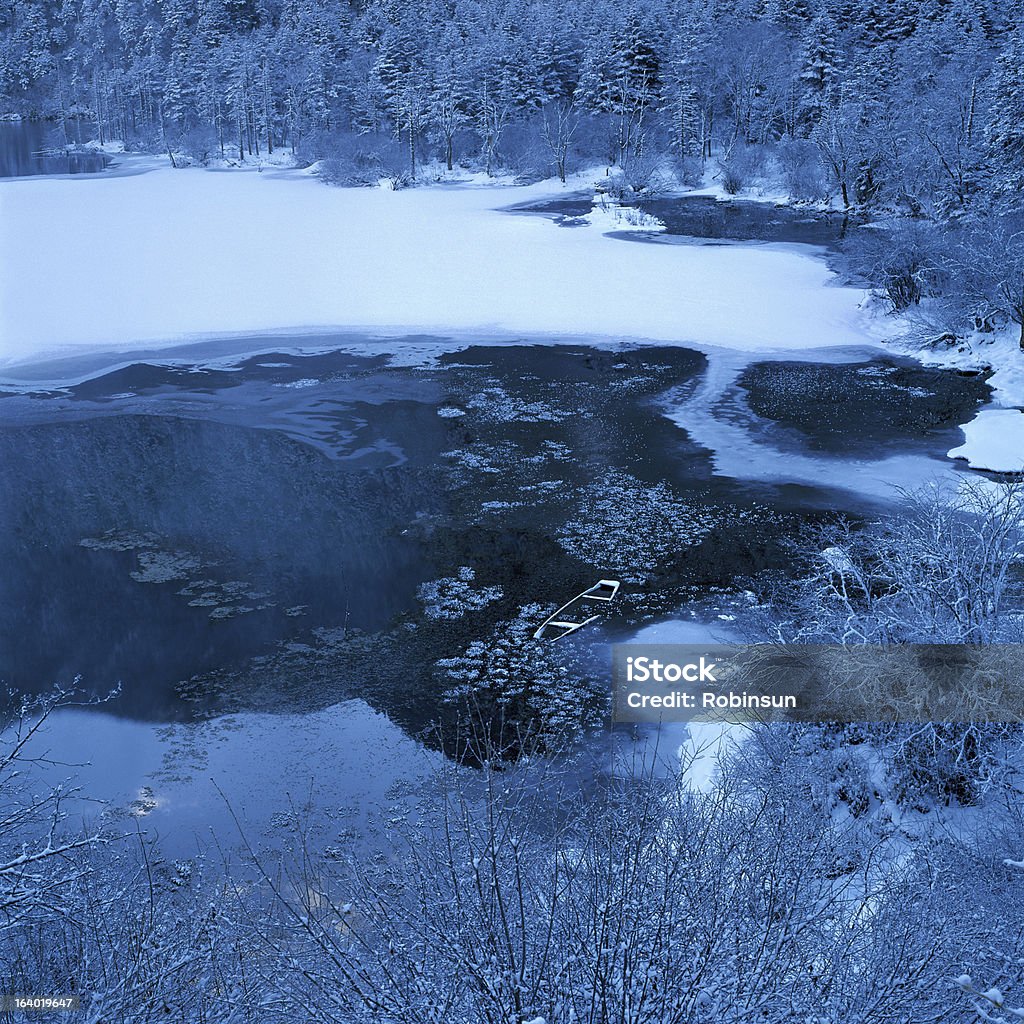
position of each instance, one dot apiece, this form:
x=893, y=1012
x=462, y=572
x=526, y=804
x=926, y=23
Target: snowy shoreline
x=994, y=439
x=160, y=263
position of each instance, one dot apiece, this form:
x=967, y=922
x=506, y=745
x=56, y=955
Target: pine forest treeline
x=916, y=99
x=913, y=109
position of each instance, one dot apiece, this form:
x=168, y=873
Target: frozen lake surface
x=258, y=539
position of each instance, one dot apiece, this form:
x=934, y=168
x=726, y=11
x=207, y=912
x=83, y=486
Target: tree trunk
x=63, y=107
x=99, y=116
x=448, y=152
x=266, y=112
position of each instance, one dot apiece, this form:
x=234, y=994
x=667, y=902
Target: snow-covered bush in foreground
x=647, y=902
x=100, y=915
x=989, y=1004
x=946, y=568
x=519, y=894
x=39, y=854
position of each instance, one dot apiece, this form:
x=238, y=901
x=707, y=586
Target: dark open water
x=179, y=530
x=47, y=147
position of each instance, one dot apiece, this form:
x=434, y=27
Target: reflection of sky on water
x=697, y=745
x=349, y=764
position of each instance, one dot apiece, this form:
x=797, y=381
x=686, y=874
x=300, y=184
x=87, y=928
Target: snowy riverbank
x=994, y=439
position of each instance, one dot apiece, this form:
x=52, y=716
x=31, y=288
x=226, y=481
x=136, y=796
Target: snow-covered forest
x=910, y=108
x=907, y=102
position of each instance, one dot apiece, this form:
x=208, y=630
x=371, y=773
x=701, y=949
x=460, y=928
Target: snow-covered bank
x=994, y=439
x=167, y=255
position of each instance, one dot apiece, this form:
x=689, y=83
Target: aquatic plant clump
x=497, y=405
x=535, y=683
x=454, y=596
x=629, y=528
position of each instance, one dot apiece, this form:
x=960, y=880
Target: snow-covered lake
x=257, y=524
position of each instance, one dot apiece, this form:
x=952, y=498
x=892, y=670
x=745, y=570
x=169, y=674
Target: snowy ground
x=158, y=257
x=994, y=439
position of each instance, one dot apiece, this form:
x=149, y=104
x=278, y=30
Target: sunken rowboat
x=578, y=612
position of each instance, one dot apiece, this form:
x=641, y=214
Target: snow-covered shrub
x=88, y=913
x=989, y=1004
x=799, y=164
x=690, y=171
x=732, y=179
x=741, y=168
x=903, y=259
x=645, y=902
x=646, y=175
x=947, y=567
x=547, y=890
x=524, y=154
x=40, y=867
x=202, y=146
x=853, y=788
x=935, y=763
x=985, y=263
x=613, y=216
x=350, y=159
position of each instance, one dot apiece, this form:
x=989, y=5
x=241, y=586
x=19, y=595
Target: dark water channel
x=48, y=147
x=712, y=220
x=257, y=536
